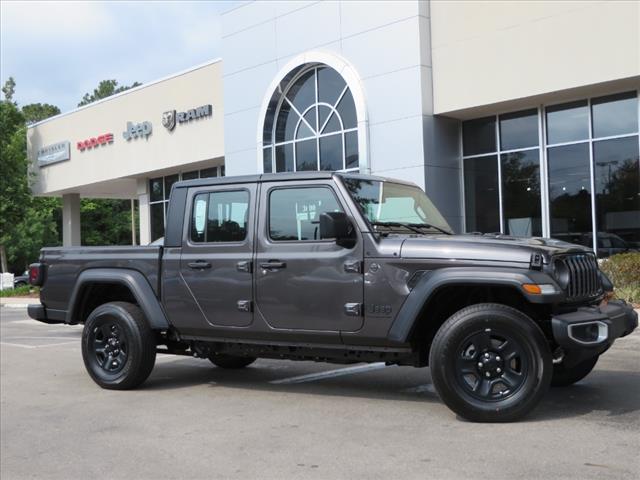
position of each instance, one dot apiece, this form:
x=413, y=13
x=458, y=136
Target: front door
x=303, y=282
x=217, y=254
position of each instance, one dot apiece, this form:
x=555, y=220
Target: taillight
x=36, y=274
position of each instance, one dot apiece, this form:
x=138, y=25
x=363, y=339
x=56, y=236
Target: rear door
x=303, y=282
x=217, y=253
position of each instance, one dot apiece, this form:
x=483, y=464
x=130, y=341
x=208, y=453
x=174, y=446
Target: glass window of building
x=502, y=174
x=591, y=193
x=160, y=190
x=311, y=125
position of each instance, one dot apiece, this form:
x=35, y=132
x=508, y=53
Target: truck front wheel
x=118, y=347
x=490, y=363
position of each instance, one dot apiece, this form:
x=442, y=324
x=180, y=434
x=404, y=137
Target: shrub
x=624, y=271
x=20, y=291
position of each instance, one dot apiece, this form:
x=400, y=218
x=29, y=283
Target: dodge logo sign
x=171, y=117
x=95, y=142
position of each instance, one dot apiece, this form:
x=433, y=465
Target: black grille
x=579, y=275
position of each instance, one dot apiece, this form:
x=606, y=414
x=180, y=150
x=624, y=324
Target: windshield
x=388, y=202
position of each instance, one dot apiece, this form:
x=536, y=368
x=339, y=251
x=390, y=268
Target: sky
x=57, y=51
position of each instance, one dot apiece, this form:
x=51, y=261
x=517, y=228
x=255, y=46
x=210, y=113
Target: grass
x=24, y=291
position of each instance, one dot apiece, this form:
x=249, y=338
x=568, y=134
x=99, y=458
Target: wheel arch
x=440, y=293
x=101, y=285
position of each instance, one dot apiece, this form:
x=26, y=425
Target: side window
x=220, y=217
x=294, y=213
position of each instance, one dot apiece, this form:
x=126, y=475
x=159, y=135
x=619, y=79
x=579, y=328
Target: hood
x=502, y=248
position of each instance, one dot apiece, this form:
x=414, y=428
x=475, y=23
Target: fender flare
x=134, y=281
x=433, y=280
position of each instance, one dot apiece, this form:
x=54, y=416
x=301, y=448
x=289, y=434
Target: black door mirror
x=336, y=225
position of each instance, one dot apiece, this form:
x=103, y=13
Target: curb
x=14, y=305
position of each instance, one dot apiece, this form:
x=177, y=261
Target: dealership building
x=515, y=117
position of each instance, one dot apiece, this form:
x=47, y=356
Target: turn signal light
x=542, y=289
x=532, y=288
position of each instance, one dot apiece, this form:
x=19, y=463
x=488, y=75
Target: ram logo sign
x=172, y=117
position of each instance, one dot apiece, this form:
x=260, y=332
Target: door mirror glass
x=336, y=225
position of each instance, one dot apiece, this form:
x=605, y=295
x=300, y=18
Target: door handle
x=273, y=265
x=199, y=265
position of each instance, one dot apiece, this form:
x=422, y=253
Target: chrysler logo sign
x=170, y=118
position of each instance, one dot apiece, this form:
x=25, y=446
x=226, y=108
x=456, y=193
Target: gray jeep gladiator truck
x=341, y=268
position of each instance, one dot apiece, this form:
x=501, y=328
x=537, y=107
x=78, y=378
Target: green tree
x=36, y=112
x=105, y=89
x=9, y=89
x=14, y=185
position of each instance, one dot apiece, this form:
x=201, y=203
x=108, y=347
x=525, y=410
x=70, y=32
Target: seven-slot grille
x=583, y=277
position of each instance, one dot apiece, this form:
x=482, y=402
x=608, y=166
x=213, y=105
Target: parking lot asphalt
x=294, y=420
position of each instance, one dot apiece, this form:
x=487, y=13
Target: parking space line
x=22, y=345
x=329, y=374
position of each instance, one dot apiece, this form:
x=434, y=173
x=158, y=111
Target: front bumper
x=590, y=331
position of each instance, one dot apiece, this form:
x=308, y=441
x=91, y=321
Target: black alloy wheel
x=109, y=344
x=490, y=363
x=118, y=346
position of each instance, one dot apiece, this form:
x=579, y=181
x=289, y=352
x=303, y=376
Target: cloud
x=57, y=51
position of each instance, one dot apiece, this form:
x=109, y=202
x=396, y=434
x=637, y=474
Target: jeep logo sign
x=135, y=130
x=171, y=117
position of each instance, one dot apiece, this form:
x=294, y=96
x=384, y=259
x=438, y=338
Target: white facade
x=449, y=95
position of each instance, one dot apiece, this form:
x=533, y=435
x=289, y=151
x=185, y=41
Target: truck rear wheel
x=118, y=346
x=563, y=376
x=490, y=363
x=232, y=362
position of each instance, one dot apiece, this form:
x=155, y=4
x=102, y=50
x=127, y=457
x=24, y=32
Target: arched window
x=311, y=123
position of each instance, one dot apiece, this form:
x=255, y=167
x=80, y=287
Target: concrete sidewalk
x=18, y=302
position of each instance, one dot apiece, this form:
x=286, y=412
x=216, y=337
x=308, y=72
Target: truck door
x=216, y=255
x=302, y=282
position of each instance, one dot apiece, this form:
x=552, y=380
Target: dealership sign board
x=95, y=142
x=54, y=153
x=171, y=117
x=137, y=130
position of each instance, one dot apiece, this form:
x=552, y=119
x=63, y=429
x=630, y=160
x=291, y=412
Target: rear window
x=220, y=217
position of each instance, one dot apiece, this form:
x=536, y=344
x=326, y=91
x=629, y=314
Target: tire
x=231, y=362
x=118, y=346
x=490, y=363
x=563, y=377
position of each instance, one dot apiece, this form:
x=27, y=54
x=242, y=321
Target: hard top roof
x=277, y=177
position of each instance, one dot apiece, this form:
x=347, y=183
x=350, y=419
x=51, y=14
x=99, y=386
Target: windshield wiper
x=397, y=224
x=429, y=225
x=414, y=227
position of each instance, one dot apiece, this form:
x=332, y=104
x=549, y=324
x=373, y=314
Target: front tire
x=231, y=362
x=118, y=346
x=490, y=363
x=563, y=376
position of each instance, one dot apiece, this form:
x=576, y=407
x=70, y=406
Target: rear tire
x=118, y=346
x=231, y=362
x=490, y=363
x=563, y=376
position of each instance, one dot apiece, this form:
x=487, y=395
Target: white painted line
x=21, y=345
x=53, y=337
x=16, y=345
x=329, y=374
x=15, y=305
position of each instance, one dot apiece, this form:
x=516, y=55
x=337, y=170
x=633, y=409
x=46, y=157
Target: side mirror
x=336, y=225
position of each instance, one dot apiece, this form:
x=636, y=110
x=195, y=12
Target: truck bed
x=65, y=264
